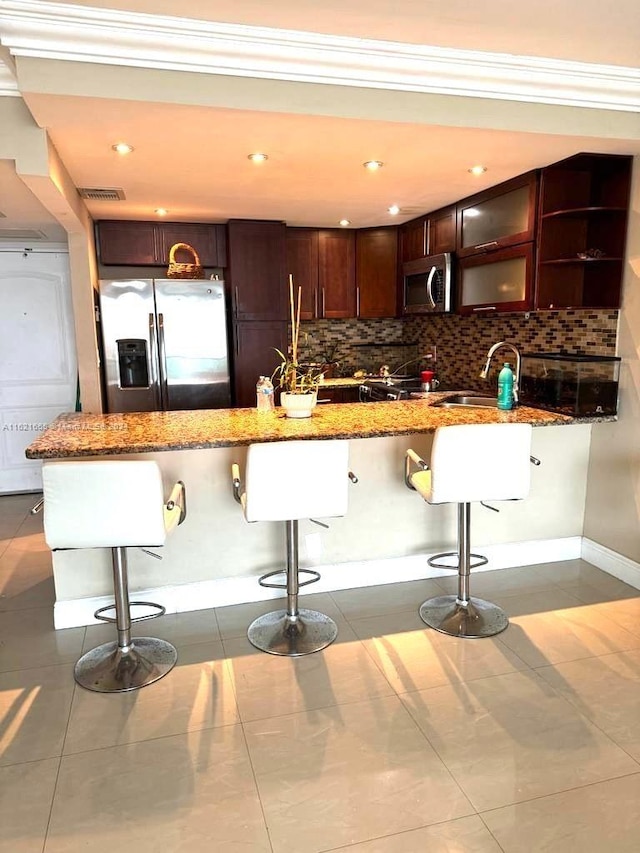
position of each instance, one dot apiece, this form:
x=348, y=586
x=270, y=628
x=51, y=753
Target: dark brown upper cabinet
x=336, y=273
x=131, y=243
x=377, y=272
x=502, y=216
x=257, y=270
x=441, y=231
x=584, y=203
x=497, y=281
x=302, y=264
x=412, y=240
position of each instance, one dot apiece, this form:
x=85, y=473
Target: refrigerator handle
x=153, y=358
x=162, y=361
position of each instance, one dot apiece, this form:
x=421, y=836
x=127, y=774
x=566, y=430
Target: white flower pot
x=298, y=405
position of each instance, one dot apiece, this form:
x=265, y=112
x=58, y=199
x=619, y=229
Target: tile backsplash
x=462, y=341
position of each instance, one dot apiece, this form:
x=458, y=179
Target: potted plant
x=299, y=386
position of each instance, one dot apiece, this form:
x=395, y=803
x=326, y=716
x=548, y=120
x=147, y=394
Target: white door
x=38, y=372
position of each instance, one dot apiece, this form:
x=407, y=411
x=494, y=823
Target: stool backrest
x=289, y=480
x=106, y=504
x=480, y=462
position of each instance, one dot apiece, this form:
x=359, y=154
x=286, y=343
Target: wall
x=612, y=515
x=463, y=342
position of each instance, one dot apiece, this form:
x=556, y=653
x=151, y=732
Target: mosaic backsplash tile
x=461, y=341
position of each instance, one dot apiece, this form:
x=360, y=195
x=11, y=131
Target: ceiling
x=192, y=160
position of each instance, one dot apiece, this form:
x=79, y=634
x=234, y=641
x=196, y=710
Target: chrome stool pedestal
x=292, y=632
x=125, y=664
x=461, y=615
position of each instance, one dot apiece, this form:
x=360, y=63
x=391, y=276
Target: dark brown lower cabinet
x=254, y=355
x=348, y=394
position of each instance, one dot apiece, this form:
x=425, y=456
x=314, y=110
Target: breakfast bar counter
x=215, y=557
x=74, y=435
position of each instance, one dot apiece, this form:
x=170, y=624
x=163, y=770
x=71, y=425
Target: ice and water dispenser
x=132, y=363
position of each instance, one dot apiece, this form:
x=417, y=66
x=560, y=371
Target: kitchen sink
x=469, y=400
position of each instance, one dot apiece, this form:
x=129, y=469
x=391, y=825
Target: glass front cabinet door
x=497, y=281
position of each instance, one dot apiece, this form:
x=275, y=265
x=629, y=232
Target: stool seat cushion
x=105, y=504
x=290, y=480
x=477, y=462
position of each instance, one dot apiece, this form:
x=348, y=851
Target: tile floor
x=396, y=739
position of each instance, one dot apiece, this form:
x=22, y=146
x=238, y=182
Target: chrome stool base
x=278, y=633
x=476, y=618
x=111, y=668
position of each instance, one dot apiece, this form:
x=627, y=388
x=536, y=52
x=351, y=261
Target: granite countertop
x=74, y=435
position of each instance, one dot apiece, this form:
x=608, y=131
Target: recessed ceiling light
x=394, y=210
x=122, y=148
x=345, y=222
x=477, y=170
x=258, y=157
x=161, y=211
x=373, y=165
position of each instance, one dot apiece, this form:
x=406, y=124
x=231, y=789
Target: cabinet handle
x=315, y=303
x=487, y=245
x=323, y=301
x=357, y=301
x=235, y=303
x=488, y=308
x=427, y=239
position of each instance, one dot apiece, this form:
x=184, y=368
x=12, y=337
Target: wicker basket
x=184, y=270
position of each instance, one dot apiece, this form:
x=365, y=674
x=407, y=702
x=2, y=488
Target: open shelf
x=583, y=211
x=581, y=260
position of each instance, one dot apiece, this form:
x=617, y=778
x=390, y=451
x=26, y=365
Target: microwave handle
x=429, y=287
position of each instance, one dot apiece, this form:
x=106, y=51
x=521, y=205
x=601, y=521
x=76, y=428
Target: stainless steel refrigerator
x=164, y=345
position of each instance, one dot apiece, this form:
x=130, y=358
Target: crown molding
x=63, y=31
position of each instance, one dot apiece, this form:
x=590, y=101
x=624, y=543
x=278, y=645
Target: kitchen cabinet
x=502, y=216
x=377, y=272
x=342, y=394
x=584, y=203
x=497, y=281
x=254, y=355
x=413, y=239
x=257, y=270
x=336, y=273
x=302, y=264
x=133, y=243
x=431, y=234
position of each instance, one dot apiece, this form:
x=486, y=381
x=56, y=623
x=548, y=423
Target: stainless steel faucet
x=516, y=380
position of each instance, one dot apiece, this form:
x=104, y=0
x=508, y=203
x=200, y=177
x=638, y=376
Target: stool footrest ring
x=432, y=561
x=159, y=607
x=315, y=576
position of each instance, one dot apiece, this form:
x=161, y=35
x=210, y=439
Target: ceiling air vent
x=101, y=193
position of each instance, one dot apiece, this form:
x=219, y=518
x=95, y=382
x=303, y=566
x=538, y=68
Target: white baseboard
x=222, y=592
x=611, y=562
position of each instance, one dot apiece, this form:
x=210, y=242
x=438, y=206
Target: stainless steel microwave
x=428, y=284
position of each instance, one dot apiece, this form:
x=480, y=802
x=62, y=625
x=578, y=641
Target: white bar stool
x=469, y=463
x=114, y=504
x=287, y=481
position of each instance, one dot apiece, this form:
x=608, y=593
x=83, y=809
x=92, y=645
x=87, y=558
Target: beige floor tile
x=387, y=598
x=348, y=774
x=564, y=635
x=181, y=629
x=594, y=819
x=499, y=581
x=586, y=582
x=465, y=835
x=413, y=656
x=607, y=691
x=625, y=613
x=539, y=601
x=511, y=737
x=28, y=639
x=196, y=694
x=234, y=620
x=192, y=793
x=34, y=711
x=26, y=794
x=26, y=587
x=272, y=685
